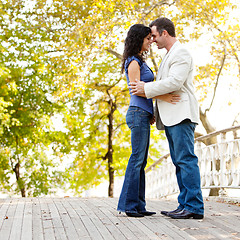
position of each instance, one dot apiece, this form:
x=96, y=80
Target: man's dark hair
x=164, y=24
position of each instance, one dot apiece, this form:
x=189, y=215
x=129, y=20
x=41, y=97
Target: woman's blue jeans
x=132, y=197
x=181, y=143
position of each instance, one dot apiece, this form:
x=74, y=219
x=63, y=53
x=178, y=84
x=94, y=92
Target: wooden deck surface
x=97, y=218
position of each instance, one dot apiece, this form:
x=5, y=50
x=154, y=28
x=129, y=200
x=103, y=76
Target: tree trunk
x=208, y=127
x=111, y=178
x=16, y=169
x=110, y=150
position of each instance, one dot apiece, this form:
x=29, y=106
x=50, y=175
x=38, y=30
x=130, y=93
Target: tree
x=101, y=139
x=62, y=58
x=198, y=17
x=104, y=38
x=27, y=90
x=41, y=69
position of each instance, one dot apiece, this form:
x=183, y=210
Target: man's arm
x=138, y=89
x=177, y=75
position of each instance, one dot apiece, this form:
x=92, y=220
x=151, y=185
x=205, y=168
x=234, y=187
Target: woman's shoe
x=134, y=214
x=147, y=213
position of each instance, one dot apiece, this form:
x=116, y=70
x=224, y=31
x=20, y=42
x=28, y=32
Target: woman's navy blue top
x=146, y=75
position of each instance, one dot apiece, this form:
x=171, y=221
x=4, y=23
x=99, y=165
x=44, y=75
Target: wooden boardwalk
x=97, y=218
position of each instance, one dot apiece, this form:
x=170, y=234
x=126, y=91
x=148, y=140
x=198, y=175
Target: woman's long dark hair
x=134, y=41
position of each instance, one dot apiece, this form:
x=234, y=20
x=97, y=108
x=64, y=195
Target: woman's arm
x=134, y=73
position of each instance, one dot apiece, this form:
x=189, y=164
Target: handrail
x=157, y=162
x=219, y=165
x=213, y=134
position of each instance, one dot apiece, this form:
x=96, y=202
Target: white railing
x=219, y=165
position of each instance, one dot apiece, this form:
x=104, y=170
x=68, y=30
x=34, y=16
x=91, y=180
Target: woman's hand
x=170, y=98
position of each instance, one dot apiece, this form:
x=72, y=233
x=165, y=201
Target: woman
x=139, y=117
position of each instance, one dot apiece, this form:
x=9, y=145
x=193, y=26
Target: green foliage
x=27, y=103
x=55, y=60
x=105, y=92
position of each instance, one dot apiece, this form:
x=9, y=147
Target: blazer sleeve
x=179, y=67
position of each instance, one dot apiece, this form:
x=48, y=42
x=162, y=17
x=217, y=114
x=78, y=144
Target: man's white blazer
x=175, y=74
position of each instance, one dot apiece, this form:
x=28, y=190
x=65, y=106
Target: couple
x=176, y=112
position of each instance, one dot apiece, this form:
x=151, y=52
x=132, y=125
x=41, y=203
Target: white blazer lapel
x=161, y=67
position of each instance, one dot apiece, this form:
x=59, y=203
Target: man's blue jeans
x=181, y=143
x=132, y=197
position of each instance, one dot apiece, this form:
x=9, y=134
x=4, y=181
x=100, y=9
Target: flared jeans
x=132, y=197
x=181, y=143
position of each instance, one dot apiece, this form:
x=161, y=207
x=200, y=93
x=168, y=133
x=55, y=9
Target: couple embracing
x=176, y=111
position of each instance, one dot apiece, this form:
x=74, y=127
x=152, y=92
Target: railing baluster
x=219, y=166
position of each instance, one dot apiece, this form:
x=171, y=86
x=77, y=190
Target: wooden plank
x=220, y=226
x=66, y=219
x=164, y=225
x=3, y=211
x=109, y=222
x=76, y=212
x=193, y=227
x=155, y=226
x=224, y=217
x=27, y=221
x=135, y=225
x=159, y=205
x=9, y=211
x=37, y=223
x=17, y=221
x=99, y=220
x=126, y=227
x=48, y=231
x=56, y=220
x=168, y=205
x=2, y=200
x=229, y=214
x=206, y=227
x=87, y=221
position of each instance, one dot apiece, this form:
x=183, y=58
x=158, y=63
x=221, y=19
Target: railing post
x=222, y=169
x=199, y=154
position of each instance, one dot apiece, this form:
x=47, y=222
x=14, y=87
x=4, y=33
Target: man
x=179, y=120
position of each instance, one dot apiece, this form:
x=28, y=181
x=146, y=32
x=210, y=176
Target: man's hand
x=137, y=88
x=152, y=120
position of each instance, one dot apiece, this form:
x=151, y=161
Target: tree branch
x=153, y=60
x=118, y=126
x=163, y=2
x=218, y=76
x=114, y=53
